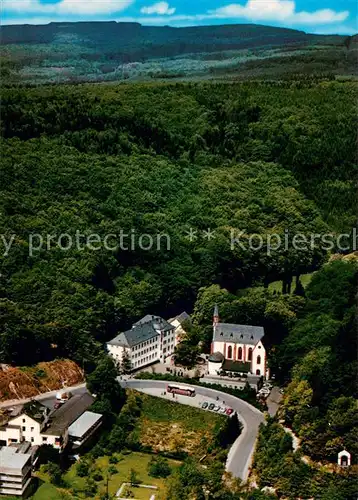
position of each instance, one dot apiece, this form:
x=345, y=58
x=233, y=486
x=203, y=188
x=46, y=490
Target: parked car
x=204, y=405
x=264, y=391
x=229, y=411
x=222, y=410
x=211, y=406
x=216, y=408
x=62, y=397
x=57, y=405
x=266, y=385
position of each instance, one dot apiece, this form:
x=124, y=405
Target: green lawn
x=305, y=280
x=194, y=419
x=137, y=461
x=47, y=492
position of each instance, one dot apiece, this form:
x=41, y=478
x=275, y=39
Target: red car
x=229, y=411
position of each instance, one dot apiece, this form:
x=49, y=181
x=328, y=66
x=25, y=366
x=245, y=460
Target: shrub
x=97, y=476
x=112, y=470
x=159, y=467
x=82, y=468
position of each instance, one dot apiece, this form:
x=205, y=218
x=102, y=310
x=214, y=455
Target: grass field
x=74, y=485
x=46, y=492
x=305, y=280
x=136, y=461
x=172, y=427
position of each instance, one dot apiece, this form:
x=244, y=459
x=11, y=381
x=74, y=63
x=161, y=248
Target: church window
x=258, y=360
x=240, y=353
x=250, y=354
x=229, y=352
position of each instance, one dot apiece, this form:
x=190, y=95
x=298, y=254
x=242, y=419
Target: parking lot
x=212, y=404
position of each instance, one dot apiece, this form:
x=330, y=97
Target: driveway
x=273, y=401
x=241, y=452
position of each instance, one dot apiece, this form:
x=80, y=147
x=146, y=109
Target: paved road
x=47, y=399
x=273, y=401
x=241, y=452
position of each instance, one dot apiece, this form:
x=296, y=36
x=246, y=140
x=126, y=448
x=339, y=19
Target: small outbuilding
x=344, y=458
x=215, y=362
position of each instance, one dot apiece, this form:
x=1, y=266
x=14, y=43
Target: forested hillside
x=319, y=404
x=162, y=159
x=111, y=51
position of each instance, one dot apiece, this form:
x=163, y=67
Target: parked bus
x=184, y=391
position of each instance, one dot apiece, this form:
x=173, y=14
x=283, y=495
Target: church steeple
x=216, y=315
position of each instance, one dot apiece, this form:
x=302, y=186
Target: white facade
x=241, y=347
x=15, y=471
x=177, y=322
x=253, y=354
x=147, y=342
x=24, y=428
x=344, y=458
x=37, y=426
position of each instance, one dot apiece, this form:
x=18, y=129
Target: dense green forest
x=312, y=341
x=162, y=159
x=111, y=51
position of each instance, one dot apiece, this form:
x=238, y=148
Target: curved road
x=241, y=452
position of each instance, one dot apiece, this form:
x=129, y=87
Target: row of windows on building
x=145, y=360
x=144, y=344
x=145, y=351
x=240, y=354
x=170, y=348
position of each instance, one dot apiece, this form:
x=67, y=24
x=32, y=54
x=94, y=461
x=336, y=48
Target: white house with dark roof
x=37, y=425
x=237, y=348
x=150, y=339
x=179, y=324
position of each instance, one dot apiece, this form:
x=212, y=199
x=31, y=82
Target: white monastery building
x=237, y=348
x=150, y=339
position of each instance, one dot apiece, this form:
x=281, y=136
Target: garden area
x=147, y=445
x=88, y=478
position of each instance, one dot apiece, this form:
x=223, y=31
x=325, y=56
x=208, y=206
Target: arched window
x=258, y=361
x=239, y=354
x=229, y=352
x=258, y=372
x=250, y=354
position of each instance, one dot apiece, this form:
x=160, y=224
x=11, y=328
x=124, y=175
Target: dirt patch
x=172, y=437
x=27, y=382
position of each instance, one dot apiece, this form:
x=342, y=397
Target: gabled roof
x=36, y=411
x=144, y=329
x=238, y=334
x=184, y=316
x=62, y=418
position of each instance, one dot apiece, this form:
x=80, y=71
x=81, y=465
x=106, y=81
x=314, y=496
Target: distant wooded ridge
x=222, y=36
